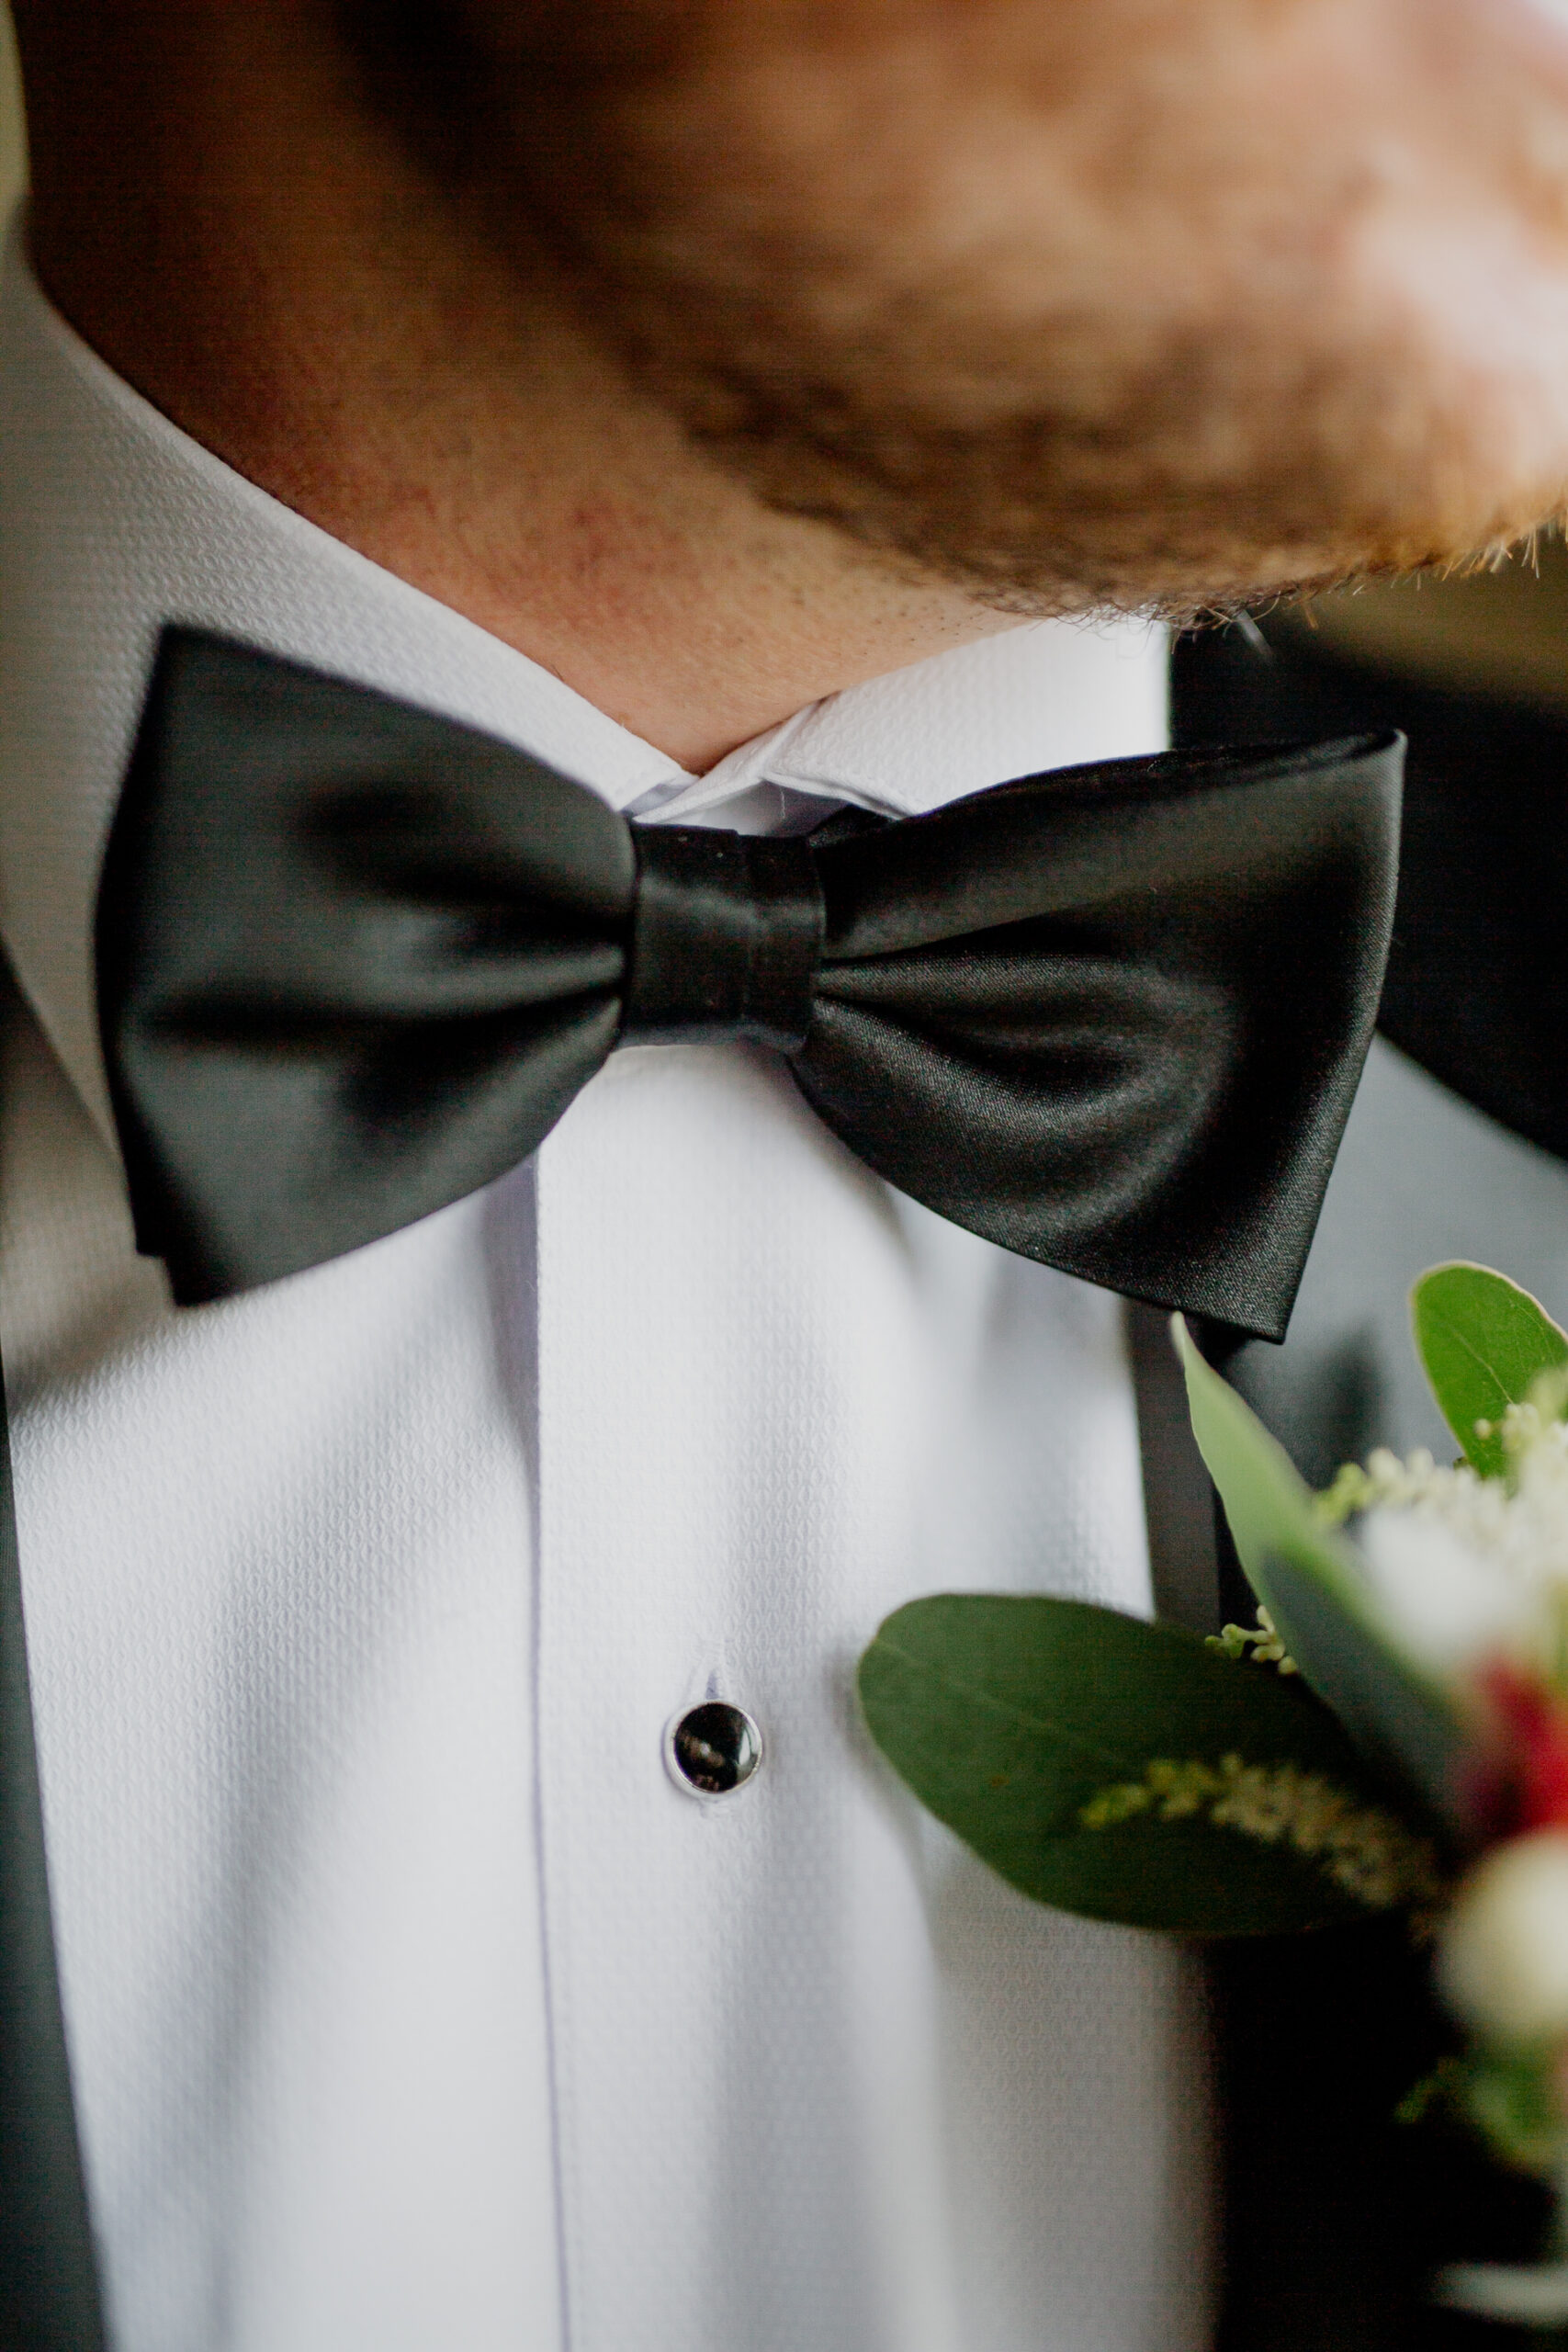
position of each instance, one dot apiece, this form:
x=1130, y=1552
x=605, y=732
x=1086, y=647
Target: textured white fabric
x=412, y=2005
x=759, y=1434
x=912, y=740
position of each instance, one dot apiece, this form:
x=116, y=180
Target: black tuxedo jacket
x=1336, y=2214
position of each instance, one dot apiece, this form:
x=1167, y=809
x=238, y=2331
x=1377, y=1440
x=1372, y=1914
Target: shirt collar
x=113, y=522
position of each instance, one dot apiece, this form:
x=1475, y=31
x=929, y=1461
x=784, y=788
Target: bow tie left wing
x=355, y=961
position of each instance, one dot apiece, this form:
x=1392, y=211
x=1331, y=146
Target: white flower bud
x=1503, y=1956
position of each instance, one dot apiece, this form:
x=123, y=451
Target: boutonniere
x=1390, y=1738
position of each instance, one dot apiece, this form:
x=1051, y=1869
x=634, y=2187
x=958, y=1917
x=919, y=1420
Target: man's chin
x=1354, y=478
x=1147, y=303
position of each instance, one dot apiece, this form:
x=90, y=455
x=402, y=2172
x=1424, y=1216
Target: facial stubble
x=1018, y=401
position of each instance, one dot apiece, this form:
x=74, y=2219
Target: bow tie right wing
x=1113, y=1018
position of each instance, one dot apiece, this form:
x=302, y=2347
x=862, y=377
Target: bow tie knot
x=726, y=936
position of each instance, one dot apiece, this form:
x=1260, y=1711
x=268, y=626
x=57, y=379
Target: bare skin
x=721, y=352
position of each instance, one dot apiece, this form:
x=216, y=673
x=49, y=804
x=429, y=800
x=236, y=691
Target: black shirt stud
x=715, y=1749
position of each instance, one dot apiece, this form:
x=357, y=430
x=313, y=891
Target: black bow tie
x=355, y=960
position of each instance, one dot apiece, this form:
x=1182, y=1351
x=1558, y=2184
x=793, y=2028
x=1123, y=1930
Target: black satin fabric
x=727, y=935
x=355, y=960
x=1336, y=2214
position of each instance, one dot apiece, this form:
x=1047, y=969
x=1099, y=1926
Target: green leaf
x=1509, y=2094
x=1308, y=1579
x=1007, y=1716
x=1505, y=2091
x=1483, y=1341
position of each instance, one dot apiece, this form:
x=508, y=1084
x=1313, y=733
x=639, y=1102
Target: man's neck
x=264, y=260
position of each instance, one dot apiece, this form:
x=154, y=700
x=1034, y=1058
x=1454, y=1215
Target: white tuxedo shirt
x=412, y=2006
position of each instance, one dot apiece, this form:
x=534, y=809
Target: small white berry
x=1502, y=1954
